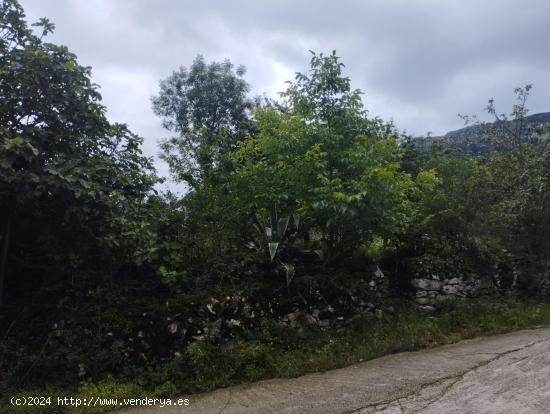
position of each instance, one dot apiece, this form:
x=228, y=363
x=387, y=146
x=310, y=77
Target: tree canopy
x=61, y=161
x=208, y=108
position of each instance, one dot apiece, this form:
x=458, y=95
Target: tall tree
x=207, y=107
x=319, y=155
x=63, y=166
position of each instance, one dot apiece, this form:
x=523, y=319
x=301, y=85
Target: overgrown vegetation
x=271, y=351
x=293, y=205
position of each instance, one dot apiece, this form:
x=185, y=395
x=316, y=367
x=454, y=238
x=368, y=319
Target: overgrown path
x=501, y=374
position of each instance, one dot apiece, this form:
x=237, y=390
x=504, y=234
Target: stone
x=325, y=314
x=301, y=319
x=233, y=323
x=173, y=328
x=368, y=315
x=292, y=316
x=426, y=309
x=353, y=319
x=421, y=293
x=426, y=284
x=324, y=323
x=454, y=281
x=424, y=301
x=308, y=319
x=215, y=329
x=452, y=289
x=364, y=311
x=247, y=311
x=441, y=298
x=210, y=307
x=378, y=314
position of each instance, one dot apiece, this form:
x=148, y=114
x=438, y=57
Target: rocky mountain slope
x=474, y=137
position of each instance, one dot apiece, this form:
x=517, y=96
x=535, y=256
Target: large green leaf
x=289, y=272
x=282, y=225
x=273, y=249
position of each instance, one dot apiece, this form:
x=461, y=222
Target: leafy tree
x=320, y=156
x=207, y=106
x=66, y=173
x=489, y=208
x=521, y=163
x=452, y=225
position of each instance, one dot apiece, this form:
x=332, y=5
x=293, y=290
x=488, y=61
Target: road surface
x=500, y=374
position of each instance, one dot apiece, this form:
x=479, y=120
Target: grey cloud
x=419, y=63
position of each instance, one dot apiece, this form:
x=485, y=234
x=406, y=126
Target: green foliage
x=490, y=208
x=320, y=156
x=452, y=215
x=271, y=352
x=71, y=183
x=206, y=105
x=290, y=203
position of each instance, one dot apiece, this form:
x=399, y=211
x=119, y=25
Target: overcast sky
x=418, y=62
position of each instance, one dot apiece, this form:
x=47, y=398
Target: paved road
x=501, y=374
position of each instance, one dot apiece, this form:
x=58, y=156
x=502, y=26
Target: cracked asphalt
x=500, y=374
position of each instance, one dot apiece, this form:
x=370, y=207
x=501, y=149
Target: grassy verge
x=274, y=352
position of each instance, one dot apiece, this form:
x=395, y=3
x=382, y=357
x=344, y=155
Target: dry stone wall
x=432, y=292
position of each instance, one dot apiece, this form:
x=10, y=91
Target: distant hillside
x=471, y=137
x=531, y=122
